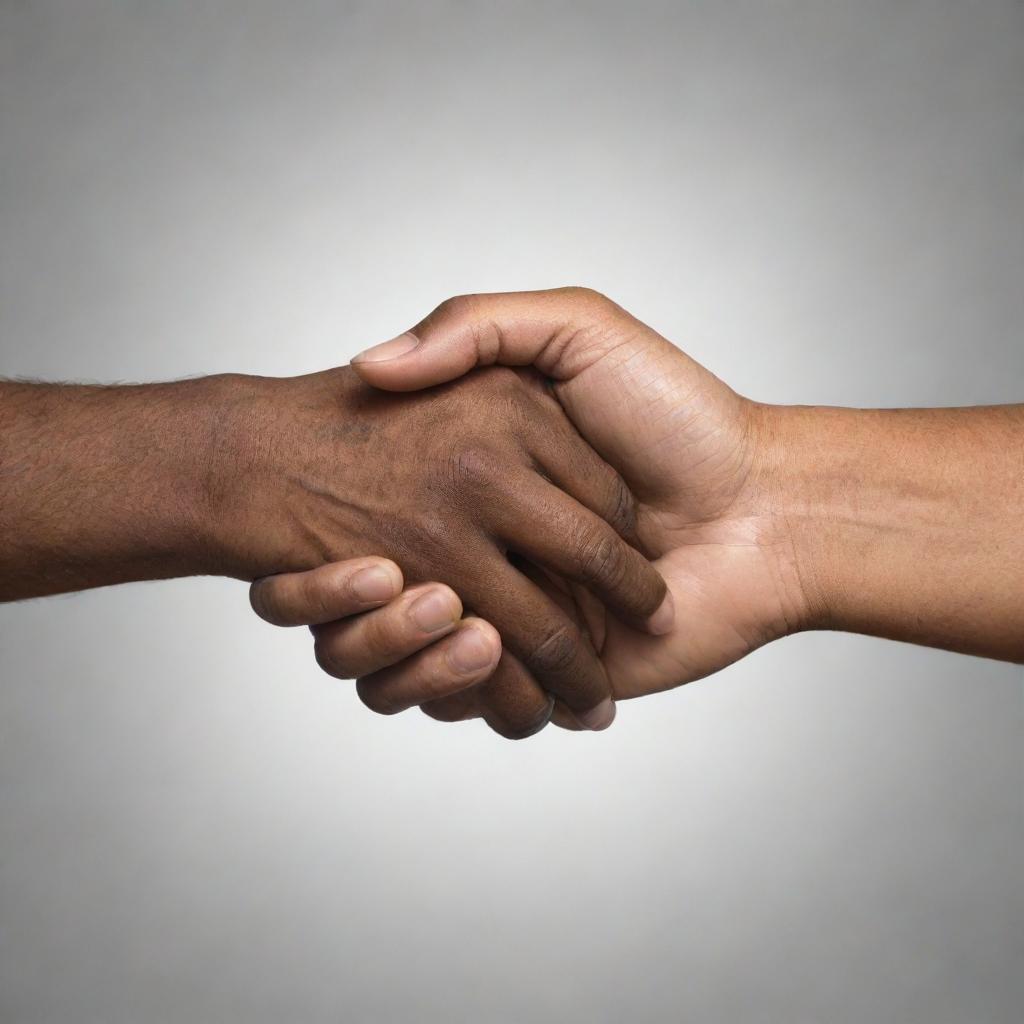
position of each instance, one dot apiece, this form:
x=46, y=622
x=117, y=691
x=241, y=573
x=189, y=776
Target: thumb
x=561, y=332
x=635, y=398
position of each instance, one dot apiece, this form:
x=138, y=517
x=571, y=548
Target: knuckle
x=379, y=640
x=600, y=559
x=468, y=313
x=588, y=298
x=456, y=307
x=313, y=598
x=473, y=467
x=557, y=650
x=622, y=508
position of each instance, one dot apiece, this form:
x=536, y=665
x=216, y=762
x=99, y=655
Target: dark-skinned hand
x=468, y=484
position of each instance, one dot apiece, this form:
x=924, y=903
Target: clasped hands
x=526, y=508
x=524, y=545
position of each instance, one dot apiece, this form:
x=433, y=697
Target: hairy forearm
x=102, y=485
x=908, y=524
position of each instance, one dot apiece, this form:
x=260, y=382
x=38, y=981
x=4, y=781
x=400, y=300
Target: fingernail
x=470, y=651
x=600, y=717
x=388, y=349
x=662, y=621
x=433, y=611
x=375, y=584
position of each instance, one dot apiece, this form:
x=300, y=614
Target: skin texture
x=102, y=485
x=365, y=625
x=764, y=520
x=447, y=483
x=246, y=476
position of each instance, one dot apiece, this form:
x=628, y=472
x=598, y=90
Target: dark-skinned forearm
x=102, y=485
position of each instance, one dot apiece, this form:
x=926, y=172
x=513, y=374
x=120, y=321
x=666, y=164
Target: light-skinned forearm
x=908, y=523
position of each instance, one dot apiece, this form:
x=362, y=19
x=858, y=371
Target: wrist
x=806, y=484
x=902, y=523
x=263, y=469
x=188, y=430
x=105, y=485
x=881, y=508
x=242, y=518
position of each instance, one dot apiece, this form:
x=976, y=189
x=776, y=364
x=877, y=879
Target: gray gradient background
x=824, y=202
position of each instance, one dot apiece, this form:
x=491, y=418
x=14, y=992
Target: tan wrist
x=779, y=485
x=809, y=479
x=904, y=523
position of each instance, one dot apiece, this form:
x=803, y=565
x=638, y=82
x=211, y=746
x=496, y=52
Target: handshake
x=524, y=509
x=601, y=518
